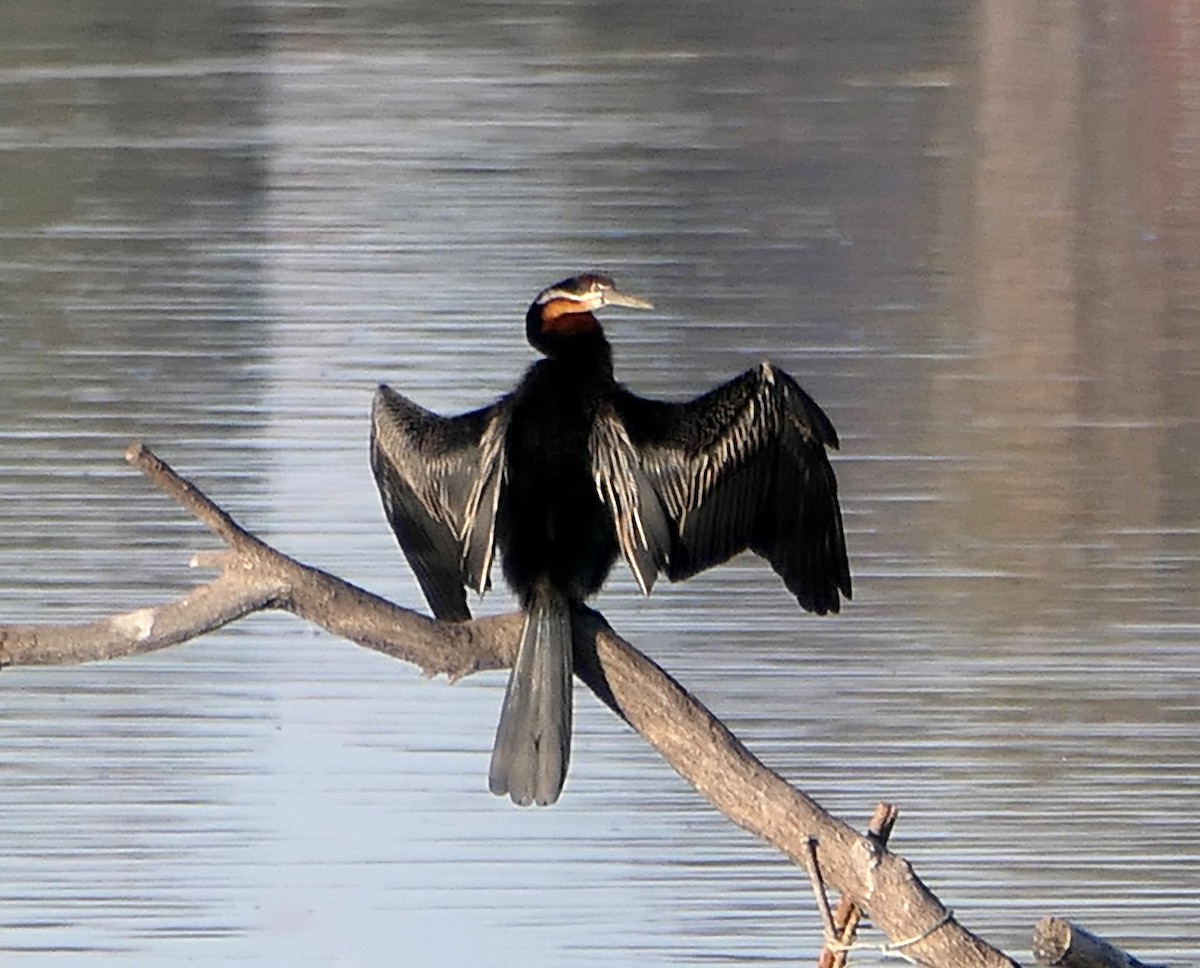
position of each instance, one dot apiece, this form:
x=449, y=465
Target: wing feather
x=642, y=523
x=743, y=466
x=440, y=480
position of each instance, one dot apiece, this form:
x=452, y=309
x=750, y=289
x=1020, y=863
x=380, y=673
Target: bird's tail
x=533, y=740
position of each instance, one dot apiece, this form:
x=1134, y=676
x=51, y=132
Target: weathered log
x=255, y=577
x=1061, y=943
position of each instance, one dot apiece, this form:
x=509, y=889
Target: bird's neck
x=572, y=337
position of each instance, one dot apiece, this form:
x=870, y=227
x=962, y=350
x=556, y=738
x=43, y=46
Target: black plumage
x=571, y=470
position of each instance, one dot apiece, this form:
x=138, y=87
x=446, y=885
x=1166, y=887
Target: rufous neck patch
x=562, y=317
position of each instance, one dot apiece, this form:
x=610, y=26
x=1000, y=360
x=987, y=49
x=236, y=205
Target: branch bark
x=255, y=577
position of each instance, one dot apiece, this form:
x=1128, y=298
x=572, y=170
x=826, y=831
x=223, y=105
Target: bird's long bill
x=614, y=297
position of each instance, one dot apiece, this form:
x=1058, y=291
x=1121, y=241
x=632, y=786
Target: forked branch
x=255, y=577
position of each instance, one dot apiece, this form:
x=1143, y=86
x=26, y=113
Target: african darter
x=570, y=469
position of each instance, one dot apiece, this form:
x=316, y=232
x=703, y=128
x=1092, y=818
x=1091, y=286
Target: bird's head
x=565, y=311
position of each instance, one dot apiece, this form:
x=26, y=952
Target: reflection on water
x=970, y=230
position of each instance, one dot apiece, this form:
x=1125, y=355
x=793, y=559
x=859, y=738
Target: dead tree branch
x=255, y=577
x=1066, y=945
x=848, y=916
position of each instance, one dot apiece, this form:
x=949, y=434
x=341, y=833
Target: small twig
x=848, y=915
x=190, y=497
x=818, y=885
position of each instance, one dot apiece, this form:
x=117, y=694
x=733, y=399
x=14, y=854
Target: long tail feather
x=533, y=740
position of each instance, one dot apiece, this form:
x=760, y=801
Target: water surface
x=970, y=230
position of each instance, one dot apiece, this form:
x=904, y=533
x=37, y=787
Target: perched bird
x=571, y=469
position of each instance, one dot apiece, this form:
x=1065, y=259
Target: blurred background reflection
x=972, y=230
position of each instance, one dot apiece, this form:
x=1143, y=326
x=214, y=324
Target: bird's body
x=569, y=472
x=551, y=521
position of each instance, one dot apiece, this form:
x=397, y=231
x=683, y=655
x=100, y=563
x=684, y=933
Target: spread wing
x=440, y=480
x=743, y=466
